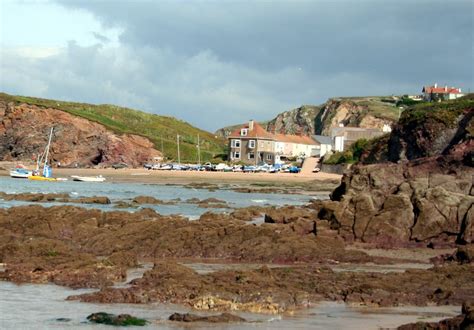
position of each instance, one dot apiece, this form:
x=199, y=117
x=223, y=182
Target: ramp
x=309, y=164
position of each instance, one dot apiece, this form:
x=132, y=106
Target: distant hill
x=160, y=130
x=367, y=112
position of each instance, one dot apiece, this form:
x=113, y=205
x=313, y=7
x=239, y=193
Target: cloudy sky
x=215, y=63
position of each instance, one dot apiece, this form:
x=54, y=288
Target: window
x=252, y=144
x=243, y=132
x=269, y=156
x=251, y=155
x=236, y=155
x=235, y=144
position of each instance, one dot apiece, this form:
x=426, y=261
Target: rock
x=24, y=131
x=465, y=321
x=150, y=200
x=222, y=318
x=117, y=320
x=391, y=205
x=91, y=200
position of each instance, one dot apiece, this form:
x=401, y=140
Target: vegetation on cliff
x=368, y=112
x=161, y=130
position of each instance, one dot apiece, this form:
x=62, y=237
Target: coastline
x=185, y=177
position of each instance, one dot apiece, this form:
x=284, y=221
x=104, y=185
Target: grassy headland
x=161, y=130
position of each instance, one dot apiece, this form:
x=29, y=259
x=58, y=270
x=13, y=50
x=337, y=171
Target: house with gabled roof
x=252, y=144
x=438, y=93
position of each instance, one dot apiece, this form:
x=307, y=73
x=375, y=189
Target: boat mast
x=47, y=148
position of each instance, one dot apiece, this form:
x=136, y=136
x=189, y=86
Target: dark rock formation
x=465, y=321
x=426, y=200
x=24, y=130
x=117, y=320
x=397, y=204
x=221, y=318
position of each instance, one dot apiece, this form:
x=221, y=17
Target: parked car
x=148, y=166
x=166, y=167
x=294, y=169
x=119, y=165
x=250, y=169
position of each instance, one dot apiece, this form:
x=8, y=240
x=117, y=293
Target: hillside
x=160, y=130
x=367, y=112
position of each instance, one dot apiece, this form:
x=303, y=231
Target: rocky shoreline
x=87, y=248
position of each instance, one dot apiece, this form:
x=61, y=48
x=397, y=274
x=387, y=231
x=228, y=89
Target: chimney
x=445, y=88
x=436, y=85
x=459, y=89
x=251, y=125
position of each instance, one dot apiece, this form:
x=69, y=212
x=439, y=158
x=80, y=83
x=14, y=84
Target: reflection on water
x=39, y=306
x=127, y=191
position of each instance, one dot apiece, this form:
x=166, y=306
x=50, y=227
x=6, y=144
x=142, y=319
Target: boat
x=98, y=178
x=46, y=175
x=20, y=173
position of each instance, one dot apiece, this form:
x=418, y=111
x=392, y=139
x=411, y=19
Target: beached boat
x=98, y=178
x=47, y=172
x=20, y=173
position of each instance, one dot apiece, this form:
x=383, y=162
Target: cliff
x=366, y=112
x=24, y=131
x=424, y=194
x=160, y=131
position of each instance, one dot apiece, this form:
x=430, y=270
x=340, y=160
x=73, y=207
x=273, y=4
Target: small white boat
x=20, y=173
x=98, y=178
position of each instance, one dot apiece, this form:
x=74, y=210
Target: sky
x=217, y=63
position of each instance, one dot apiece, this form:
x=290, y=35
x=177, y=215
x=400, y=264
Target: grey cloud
x=103, y=39
x=218, y=63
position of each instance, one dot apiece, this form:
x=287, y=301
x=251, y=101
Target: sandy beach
x=185, y=177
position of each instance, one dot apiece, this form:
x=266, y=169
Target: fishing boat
x=98, y=178
x=46, y=174
x=20, y=173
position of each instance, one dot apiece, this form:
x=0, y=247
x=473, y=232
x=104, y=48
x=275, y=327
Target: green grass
x=161, y=130
x=446, y=112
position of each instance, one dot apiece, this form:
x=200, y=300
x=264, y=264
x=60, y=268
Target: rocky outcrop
x=275, y=290
x=366, y=112
x=399, y=204
x=427, y=197
x=356, y=112
x=445, y=129
x=296, y=121
x=221, y=318
x=24, y=130
x=464, y=321
x=117, y=320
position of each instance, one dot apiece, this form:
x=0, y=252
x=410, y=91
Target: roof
x=441, y=90
x=299, y=139
x=257, y=132
x=322, y=139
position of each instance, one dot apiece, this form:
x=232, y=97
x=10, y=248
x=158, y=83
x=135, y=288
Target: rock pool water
x=127, y=191
x=39, y=306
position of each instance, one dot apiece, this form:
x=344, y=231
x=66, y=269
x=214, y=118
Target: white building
x=435, y=93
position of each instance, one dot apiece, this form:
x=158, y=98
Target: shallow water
x=127, y=191
x=38, y=306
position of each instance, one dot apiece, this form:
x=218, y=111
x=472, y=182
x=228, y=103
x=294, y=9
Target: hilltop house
x=343, y=137
x=435, y=93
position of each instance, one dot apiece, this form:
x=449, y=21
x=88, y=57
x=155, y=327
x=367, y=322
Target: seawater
x=127, y=191
x=39, y=306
